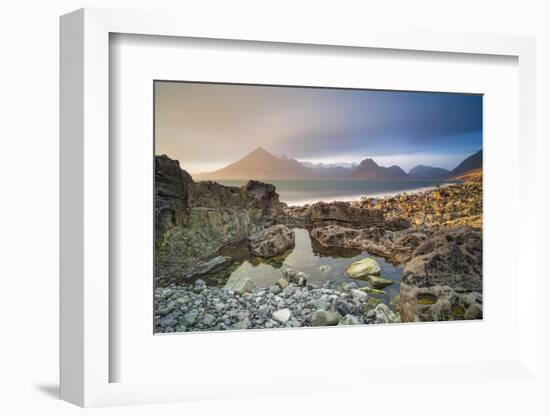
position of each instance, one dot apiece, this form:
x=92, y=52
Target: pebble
x=282, y=315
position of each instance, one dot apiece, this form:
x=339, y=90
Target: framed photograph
x=238, y=206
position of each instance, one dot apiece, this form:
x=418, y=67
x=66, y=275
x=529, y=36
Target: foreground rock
x=272, y=241
x=363, y=268
x=193, y=220
x=194, y=307
x=444, y=279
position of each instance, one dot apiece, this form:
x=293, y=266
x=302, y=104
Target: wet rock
x=272, y=241
x=282, y=283
x=363, y=268
x=295, y=276
x=358, y=294
x=379, y=282
x=372, y=291
x=383, y=314
x=344, y=213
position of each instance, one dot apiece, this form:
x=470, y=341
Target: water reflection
x=319, y=263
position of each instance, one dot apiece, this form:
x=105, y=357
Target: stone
x=208, y=319
x=295, y=276
x=219, y=307
x=363, y=268
x=282, y=283
x=372, y=291
x=272, y=241
x=344, y=213
x=383, y=314
x=325, y=268
x=190, y=318
x=324, y=318
x=350, y=320
x=241, y=285
x=242, y=315
x=358, y=295
x=474, y=311
x=320, y=304
x=244, y=324
x=378, y=282
x=282, y=315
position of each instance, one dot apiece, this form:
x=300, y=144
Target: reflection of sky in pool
x=309, y=258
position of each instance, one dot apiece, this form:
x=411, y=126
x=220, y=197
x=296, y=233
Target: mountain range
x=263, y=165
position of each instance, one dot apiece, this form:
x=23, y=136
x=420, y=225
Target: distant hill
x=472, y=165
x=428, y=172
x=369, y=170
x=262, y=165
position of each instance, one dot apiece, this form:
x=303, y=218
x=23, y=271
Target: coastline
x=380, y=195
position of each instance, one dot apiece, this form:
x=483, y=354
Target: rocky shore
x=195, y=307
x=436, y=236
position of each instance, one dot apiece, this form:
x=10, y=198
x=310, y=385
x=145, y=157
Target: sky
x=207, y=126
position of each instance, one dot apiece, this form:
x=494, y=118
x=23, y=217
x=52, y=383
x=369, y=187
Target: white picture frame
x=86, y=356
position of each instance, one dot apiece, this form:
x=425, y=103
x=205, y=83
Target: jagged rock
x=195, y=219
x=240, y=286
x=272, y=241
x=444, y=279
x=295, y=276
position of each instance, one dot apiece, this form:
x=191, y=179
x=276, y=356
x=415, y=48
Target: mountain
x=469, y=168
x=261, y=165
x=369, y=170
x=428, y=172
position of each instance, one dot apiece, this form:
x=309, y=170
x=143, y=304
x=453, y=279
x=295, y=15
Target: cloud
x=213, y=124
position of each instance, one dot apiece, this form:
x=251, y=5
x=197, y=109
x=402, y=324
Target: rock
x=295, y=276
x=190, y=318
x=363, y=268
x=383, y=314
x=272, y=241
x=325, y=268
x=359, y=295
x=350, y=286
x=242, y=315
x=350, y=320
x=444, y=278
x=208, y=319
x=282, y=315
x=240, y=286
x=324, y=318
x=372, y=291
x=219, y=307
x=244, y=324
x=474, y=311
x=282, y=283
x=344, y=213
x=195, y=219
x=320, y=304
x=379, y=282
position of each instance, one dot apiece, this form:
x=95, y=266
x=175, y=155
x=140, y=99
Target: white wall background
x=29, y=205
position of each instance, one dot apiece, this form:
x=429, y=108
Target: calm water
x=299, y=192
x=307, y=257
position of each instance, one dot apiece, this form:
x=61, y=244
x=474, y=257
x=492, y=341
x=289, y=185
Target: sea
x=301, y=192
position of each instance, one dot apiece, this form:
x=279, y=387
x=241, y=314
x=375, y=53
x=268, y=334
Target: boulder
x=272, y=241
x=295, y=276
x=344, y=213
x=240, y=286
x=363, y=268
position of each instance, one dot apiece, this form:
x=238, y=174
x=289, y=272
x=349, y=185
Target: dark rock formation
x=343, y=213
x=195, y=219
x=272, y=241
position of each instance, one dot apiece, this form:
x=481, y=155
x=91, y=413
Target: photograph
x=292, y=206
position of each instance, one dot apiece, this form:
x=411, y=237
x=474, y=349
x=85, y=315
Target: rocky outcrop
x=195, y=219
x=272, y=241
x=171, y=192
x=343, y=213
x=444, y=278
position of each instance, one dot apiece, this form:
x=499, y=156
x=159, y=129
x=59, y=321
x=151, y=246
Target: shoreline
x=379, y=195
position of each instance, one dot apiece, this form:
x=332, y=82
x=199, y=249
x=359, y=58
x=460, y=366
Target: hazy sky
x=207, y=126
